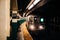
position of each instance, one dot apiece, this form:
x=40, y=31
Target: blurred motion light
x=31, y=27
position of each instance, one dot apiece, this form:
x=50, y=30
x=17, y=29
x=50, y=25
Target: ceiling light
x=35, y=2
x=31, y=7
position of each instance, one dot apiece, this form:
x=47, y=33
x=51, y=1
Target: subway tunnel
x=50, y=12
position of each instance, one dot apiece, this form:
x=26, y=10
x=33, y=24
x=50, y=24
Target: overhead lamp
x=31, y=7
x=33, y=4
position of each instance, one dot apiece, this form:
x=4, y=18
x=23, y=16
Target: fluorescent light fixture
x=31, y=7
x=35, y=2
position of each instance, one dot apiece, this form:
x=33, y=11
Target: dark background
x=50, y=11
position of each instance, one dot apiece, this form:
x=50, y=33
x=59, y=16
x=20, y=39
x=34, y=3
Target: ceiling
x=49, y=9
x=22, y=4
x=46, y=10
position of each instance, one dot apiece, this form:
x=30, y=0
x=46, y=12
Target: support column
x=4, y=19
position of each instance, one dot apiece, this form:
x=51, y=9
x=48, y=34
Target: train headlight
x=41, y=27
x=32, y=27
x=41, y=19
